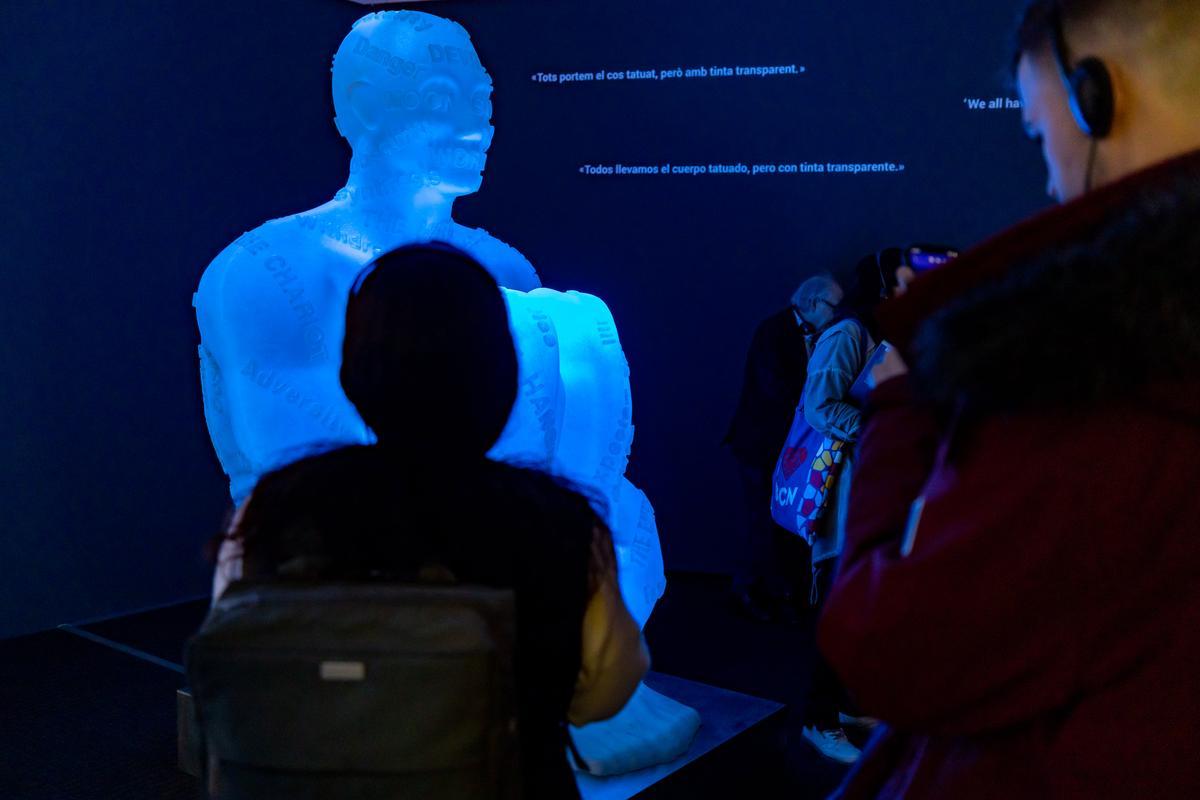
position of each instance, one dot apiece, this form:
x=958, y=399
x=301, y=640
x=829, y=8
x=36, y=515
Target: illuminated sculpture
x=414, y=102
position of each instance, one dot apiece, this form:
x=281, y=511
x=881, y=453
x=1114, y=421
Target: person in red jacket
x=1019, y=594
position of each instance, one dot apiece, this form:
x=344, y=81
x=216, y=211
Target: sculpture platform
x=730, y=722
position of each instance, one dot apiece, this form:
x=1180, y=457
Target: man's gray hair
x=818, y=287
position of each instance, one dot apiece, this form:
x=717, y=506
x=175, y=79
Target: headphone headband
x=1058, y=41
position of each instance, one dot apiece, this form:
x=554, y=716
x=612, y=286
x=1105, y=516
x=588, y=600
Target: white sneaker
x=833, y=744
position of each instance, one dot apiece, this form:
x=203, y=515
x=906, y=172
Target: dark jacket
x=775, y=369
x=1031, y=627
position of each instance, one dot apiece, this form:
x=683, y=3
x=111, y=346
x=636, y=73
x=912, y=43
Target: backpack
x=357, y=691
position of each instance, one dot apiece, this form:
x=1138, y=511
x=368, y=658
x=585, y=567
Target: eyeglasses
x=799, y=310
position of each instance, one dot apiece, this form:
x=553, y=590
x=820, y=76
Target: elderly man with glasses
x=839, y=346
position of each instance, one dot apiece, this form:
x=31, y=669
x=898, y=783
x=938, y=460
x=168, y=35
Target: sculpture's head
x=414, y=102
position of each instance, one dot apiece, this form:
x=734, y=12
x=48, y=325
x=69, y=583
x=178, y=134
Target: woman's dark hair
x=428, y=359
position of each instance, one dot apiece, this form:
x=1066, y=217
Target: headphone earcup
x=1092, y=100
x=888, y=260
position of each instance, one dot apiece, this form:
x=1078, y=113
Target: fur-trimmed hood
x=1104, y=304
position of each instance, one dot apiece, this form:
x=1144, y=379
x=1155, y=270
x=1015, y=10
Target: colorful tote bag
x=808, y=467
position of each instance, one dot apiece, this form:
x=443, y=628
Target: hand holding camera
x=899, y=267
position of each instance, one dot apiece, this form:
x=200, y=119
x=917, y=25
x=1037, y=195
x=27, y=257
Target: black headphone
x=887, y=261
x=1088, y=84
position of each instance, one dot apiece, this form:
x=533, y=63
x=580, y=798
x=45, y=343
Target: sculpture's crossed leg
x=573, y=417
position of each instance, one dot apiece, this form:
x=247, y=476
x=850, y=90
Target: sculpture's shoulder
x=286, y=245
x=227, y=273
x=508, y=265
x=279, y=278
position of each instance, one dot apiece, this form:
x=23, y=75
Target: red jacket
x=1035, y=630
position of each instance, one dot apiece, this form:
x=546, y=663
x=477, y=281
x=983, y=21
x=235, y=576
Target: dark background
x=140, y=137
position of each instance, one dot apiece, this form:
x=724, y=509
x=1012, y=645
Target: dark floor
x=81, y=720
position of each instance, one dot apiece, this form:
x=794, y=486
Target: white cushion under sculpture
x=414, y=102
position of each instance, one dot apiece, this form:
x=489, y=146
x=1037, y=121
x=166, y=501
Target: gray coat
x=839, y=355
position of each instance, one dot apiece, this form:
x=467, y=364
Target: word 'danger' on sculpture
x=415, y=103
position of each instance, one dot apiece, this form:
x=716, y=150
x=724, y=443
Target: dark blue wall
x=143, y=136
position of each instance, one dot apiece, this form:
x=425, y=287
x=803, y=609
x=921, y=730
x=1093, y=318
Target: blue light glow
x=414, y=103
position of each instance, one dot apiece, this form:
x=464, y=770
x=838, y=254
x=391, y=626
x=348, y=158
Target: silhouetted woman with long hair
x=428, y=361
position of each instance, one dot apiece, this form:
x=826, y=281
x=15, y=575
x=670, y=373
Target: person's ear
x=366, y=104
x=1120, y=96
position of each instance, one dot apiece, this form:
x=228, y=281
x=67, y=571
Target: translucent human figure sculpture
x=414, y=102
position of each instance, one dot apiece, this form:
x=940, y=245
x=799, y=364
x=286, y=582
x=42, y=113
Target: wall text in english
x=992, y=104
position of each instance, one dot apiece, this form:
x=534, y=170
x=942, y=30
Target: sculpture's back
x=271, y=314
